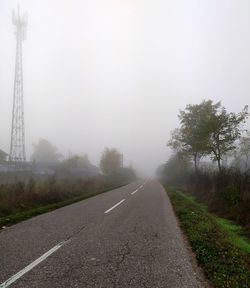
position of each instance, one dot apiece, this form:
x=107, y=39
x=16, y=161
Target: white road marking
x=134, y=192
x=19, y=274
x=32, y=265
x=113, y=207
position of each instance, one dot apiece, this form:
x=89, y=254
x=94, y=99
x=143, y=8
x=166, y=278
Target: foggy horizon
x=115, y=74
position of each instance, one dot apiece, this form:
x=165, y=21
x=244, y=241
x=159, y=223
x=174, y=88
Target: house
x=76, y=167
x=3, y=161
x=3, y=156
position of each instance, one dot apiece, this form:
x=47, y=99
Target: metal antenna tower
x=17, y=146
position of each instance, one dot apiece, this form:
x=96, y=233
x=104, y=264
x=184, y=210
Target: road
x=128, y=237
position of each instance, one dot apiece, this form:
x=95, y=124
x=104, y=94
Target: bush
x=218, y=244
x=21, y=196
x=226, y=193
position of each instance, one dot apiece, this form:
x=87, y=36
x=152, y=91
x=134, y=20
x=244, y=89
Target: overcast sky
x=115, y=73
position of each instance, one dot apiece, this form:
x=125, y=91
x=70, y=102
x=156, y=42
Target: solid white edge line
x=19, y=274
x=113, y=207
x=134, y=192
x=141, y=186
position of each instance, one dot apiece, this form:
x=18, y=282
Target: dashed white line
x=32, y=265
x=132, y=193
x=113, y=207
x=19, y=274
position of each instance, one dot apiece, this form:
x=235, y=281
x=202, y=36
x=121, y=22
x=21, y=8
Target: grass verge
x=24, y=215
x=220, y=247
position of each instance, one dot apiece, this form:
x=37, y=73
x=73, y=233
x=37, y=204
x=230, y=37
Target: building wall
x=3, y=157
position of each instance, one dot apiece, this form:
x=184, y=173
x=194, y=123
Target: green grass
x=24, y=215
x=220, y=247
x=237, y=235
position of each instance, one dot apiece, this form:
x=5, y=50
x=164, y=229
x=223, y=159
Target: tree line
x=208, y=129
x=111, y=161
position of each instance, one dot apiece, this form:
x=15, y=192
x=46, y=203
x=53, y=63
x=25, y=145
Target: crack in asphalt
x=74, y=234
x=116, y=260
x=124, y=255
x=126, y=252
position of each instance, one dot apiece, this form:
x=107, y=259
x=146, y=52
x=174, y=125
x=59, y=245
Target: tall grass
x=226, y=193
x=22, y=196
x=219, y=246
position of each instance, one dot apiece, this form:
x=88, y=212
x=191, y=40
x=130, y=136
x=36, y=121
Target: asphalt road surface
x=128, y=237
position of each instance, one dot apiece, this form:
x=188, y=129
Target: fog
x=115, y=73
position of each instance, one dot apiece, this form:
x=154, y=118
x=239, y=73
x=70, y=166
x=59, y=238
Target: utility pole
x=17, y=146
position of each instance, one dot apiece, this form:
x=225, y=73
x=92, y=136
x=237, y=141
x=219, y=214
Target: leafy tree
x=44, y=151
x=76, y=162
x=244, y=148
x=123, y=175
x=192, y=137
x=224, y=129
x=207, y=129
x=175, y=170
x=242, y=154
x=111, y=161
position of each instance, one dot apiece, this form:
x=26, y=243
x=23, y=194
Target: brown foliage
x=20, y=196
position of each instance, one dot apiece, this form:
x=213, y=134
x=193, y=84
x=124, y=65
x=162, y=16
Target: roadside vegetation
x=73, y=180
x=20, y=201
x=220, y=247
x=211, y=162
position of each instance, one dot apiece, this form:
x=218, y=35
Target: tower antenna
x=17, y=153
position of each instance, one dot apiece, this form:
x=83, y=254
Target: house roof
x=3, y=153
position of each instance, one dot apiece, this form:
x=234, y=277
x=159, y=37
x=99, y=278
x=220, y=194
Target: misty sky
x=115, y=73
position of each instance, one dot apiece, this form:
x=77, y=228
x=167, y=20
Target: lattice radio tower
x=17, y=146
